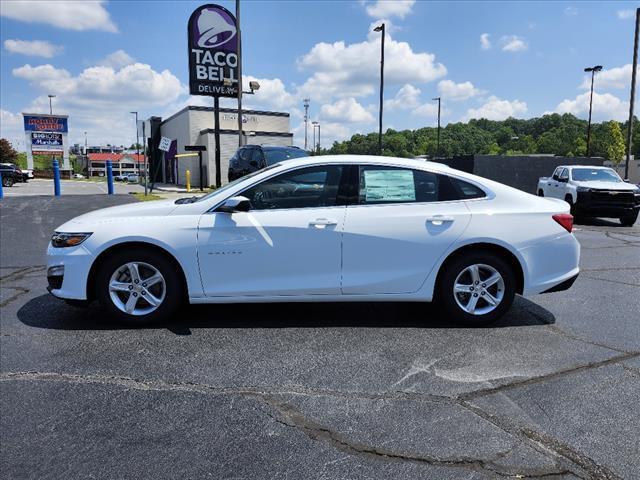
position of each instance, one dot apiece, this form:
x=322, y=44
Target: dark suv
x=10, y=174
x=250, y=158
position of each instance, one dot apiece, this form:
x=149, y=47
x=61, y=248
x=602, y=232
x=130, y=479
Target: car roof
x=369, y=159
x=599, y=167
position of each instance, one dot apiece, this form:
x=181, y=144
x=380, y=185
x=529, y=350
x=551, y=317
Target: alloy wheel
x=137, y=288
x=478, y=289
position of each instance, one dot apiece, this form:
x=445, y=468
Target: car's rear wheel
x=7, y=181
x=629, y=220
x=139, y=286
x=476, y=289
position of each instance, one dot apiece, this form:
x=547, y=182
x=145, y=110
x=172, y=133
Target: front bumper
x=607, y=203
x=68, y=271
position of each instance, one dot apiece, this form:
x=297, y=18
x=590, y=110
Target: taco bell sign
x=213, y=52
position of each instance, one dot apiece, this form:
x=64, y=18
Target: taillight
x=565, y=220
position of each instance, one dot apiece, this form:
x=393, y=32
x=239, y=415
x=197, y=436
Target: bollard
x=1, y=187
x=188, y=181
x=56, y=178
x=109, y=178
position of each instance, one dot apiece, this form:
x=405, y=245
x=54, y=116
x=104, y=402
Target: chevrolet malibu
x=324, y=229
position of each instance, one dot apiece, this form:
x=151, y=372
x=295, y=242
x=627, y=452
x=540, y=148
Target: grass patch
x=142, y=198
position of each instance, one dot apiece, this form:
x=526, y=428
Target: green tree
x=8, y=154
x=615, y=144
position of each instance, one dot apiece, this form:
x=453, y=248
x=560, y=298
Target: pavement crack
x=289, y=416
x=612, y=281
x=558, y=373
x=557, y=330
x=20, y=291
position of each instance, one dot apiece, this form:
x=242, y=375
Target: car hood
x=131, y=212
x=621, y=186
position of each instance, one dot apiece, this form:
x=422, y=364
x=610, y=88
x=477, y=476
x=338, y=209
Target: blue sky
x=485, y=59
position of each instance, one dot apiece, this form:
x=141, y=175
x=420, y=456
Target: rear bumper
x=562, y=286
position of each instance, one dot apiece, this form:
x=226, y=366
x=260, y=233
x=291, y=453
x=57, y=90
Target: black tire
x=7, y=181
x=629, y=220
x=452, y=269
x=572, y=207
x=540, y=193
x=174, y=289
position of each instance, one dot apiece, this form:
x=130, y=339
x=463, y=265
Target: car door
x=289, y=243
x=402, y=223
x=554, y=184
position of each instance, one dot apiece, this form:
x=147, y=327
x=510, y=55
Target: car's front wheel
x=139, y=286
x=7, y=181
x=476, y=289
x=629, y=220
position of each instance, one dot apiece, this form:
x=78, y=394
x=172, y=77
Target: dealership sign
x=213, y=52
x=46, y=135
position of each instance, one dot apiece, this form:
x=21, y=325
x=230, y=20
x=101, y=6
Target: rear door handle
x=439, y=219
x=322, y=222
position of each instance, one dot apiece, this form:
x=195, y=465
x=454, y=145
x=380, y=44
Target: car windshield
x=278, y=155
x=595, y=175
x=232, y=184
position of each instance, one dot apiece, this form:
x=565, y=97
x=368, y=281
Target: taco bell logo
x=213, y=52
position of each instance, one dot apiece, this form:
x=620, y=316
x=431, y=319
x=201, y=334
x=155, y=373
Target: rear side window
x=380, y=185
x=275, y=155
x=466, y=190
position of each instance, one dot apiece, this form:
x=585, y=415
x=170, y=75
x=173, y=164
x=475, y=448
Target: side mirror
x=234, y=205
x=563, y=179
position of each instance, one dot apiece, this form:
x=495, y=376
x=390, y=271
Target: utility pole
x=239, y=73
x=381, y=28
x=305, y=102
x=314, y=136
x=593, y=71
x=633, y=95
x=438, y=140
x=137, y=143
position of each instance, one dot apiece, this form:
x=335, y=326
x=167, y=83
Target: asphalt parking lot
x=41, y=186
x=323, y=390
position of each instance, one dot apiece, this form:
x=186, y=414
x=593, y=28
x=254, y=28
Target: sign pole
x=239, y=73
x=216, y=113
x=200, y=165
x=633, y=95
x=144, y=151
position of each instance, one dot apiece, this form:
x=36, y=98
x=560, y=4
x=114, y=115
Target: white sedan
x=322, y=229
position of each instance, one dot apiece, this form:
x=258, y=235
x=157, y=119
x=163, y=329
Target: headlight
x=60, y=240
x=583, y=189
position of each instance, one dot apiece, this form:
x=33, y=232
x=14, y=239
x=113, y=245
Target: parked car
x=132, y=178
x=251, y=158
x=120, y=177
x=78, y=176
x=22, y=176
x=329, y=228
x=10, y=174
x=593, y=192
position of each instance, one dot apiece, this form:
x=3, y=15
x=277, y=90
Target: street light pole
x=305, y=102
x=593, y=71
x=318, y=137
x=50, y=104
x=438, y=140
x=381, y=28
x=137, y=143
x=313, y=124
x=633, y=95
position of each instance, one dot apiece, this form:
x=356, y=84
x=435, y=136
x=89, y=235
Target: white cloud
x=427, y=110
x=451, y=90
x=605, y=106
x=352, y=70
x=117, y=59
x=390, y=8
x=11, y=126
x=346, y=110
x=272, y=95
x=406, y=98
x=34, y=48
x=485, y=43
x=100, y=98
x=571, y=11
x=618, y=77
x=513, y=43
x=70, y=15
x=497, y=109
x=626, y=14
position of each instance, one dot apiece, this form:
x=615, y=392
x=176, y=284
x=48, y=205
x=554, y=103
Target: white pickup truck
x=593, y=192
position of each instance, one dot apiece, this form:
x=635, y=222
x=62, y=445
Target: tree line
x=564, y=135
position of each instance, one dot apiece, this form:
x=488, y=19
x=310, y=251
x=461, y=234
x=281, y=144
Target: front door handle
x=322, y=222
x=439, y=219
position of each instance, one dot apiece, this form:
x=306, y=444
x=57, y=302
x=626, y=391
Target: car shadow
x=597, y=222
x=61, y=316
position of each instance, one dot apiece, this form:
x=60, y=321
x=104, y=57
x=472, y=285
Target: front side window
x=310, y=187
x=380, y=185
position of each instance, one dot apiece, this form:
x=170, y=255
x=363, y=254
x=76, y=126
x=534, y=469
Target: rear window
x=280, y=154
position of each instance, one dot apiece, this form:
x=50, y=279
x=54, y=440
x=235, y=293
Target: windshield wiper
x=185, y=200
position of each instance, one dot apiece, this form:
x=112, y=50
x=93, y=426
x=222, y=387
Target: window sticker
x=389, y=186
